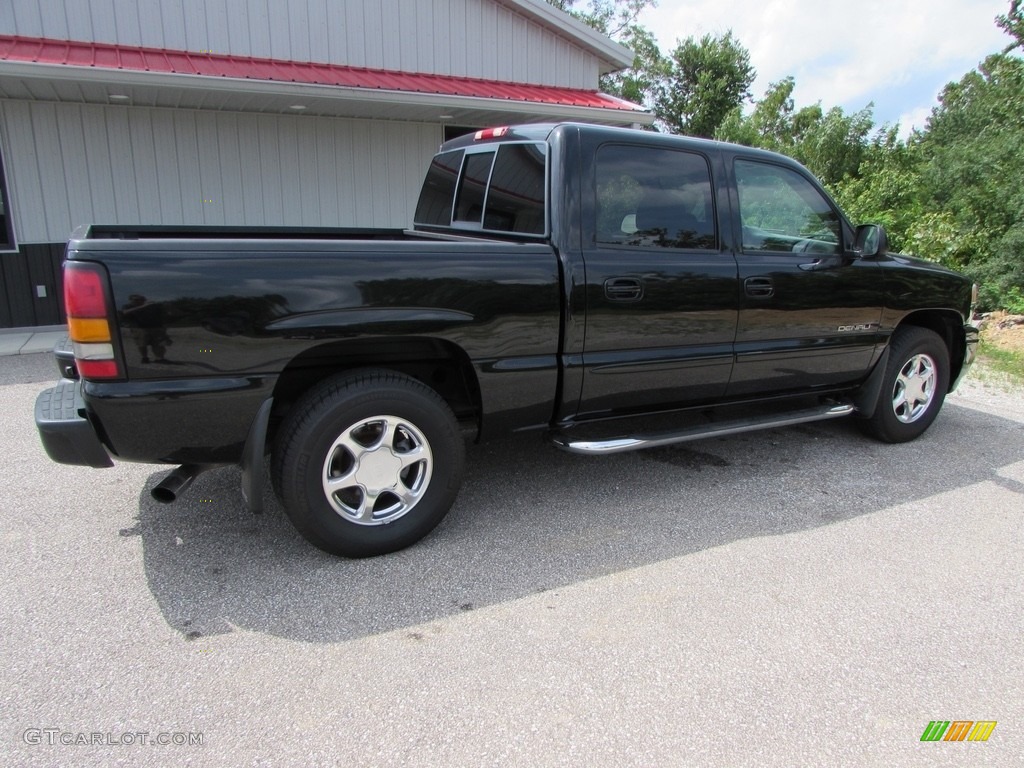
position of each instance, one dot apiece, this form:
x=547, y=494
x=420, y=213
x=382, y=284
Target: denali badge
x=858, y=327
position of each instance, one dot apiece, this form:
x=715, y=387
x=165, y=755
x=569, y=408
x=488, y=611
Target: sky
x=897, y=54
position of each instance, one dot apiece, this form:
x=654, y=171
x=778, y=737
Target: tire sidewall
x=302, y=466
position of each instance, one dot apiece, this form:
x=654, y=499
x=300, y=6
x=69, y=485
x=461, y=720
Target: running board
x=719, y=429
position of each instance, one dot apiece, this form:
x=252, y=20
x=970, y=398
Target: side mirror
x=871, y=241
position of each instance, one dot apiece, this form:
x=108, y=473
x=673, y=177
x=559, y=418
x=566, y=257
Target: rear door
x=661, y=299
x=809, y=310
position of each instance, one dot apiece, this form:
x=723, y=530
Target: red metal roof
x=74, y=53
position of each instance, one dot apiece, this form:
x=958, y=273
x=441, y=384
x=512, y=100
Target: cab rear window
x=490, y=190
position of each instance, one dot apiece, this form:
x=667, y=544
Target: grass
x=1006, y=361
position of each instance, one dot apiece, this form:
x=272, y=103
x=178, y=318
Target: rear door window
x=649, y=197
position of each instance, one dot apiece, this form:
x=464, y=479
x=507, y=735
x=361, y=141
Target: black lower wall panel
x=20, y=274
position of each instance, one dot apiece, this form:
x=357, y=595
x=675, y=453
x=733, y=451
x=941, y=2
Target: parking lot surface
x=802, y=596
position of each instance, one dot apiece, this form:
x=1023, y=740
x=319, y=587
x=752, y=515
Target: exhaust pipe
x=171, y=487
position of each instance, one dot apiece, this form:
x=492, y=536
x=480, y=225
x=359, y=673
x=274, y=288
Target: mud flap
x=866, y=398
x=253, y=476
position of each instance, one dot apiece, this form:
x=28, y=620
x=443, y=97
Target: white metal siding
x=467, y=38
x=72, y=164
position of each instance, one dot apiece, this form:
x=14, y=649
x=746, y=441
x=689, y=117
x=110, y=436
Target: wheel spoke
x=387, y=436
x=365, y=512
x=900, y=399
x=407, y=496
x=415, y=456
x=349, y=443
x=335, y=484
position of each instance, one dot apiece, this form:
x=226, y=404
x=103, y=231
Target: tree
x=692, y=89
x=702, y=82
x=1013, y=24
x=649, y=68
x=832, y=144
x=886, y=190
x=973, y=175
x=610, y=17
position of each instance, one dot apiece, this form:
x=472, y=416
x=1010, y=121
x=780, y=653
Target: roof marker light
x=490, y=133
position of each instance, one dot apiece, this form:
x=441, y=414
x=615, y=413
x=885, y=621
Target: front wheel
x=914, y=386
x=368, y=463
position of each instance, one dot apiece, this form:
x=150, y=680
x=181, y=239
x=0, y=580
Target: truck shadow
x=531, y=519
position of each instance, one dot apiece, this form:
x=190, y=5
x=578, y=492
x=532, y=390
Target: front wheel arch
x=912, y=386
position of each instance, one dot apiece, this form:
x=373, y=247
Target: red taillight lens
x=85, y=299
x=98, y=369
x=83, y=292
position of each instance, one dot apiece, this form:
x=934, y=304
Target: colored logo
x=958, y=730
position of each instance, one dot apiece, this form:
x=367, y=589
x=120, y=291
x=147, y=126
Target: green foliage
x=885, y=190
x=972, y=171
x=702, y=82
x=649, y=68
x=1013, y=24
x=610, y=17
x=831, y=144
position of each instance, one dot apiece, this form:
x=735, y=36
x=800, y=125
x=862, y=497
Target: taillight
x=87, y=305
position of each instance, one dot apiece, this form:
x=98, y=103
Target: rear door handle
x=759, y=287
x=624, y=289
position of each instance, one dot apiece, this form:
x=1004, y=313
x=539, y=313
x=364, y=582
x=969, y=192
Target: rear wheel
x=368, y=463
x=914, y=386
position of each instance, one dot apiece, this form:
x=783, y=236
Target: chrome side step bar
x=699, y=432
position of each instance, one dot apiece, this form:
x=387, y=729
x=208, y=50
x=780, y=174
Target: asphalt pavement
x=803, y=596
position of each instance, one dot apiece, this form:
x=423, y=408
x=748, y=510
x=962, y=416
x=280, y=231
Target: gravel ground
x=795, y=597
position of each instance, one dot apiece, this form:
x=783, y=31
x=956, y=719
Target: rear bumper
x=67, y=434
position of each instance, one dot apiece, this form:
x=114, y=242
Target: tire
x=914, y=386
x=368, y=463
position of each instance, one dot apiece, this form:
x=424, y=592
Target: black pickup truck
x=580, y=281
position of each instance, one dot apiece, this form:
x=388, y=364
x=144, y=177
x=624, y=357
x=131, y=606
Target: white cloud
x=846, y=53
x=915, y=118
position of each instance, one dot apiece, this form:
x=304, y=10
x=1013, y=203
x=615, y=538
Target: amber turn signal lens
x=88, y=329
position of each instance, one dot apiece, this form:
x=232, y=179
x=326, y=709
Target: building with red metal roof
x=311, y=113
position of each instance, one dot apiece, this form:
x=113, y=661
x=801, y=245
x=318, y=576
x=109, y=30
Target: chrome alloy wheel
x=377, y=470
x=915, y=388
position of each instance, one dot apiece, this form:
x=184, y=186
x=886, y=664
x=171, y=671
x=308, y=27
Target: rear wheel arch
x=439, y=364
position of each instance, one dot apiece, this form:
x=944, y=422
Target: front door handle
x=624, y=289
x=830, y=262
x=759, y=287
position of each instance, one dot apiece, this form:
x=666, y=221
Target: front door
x=809, y=310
